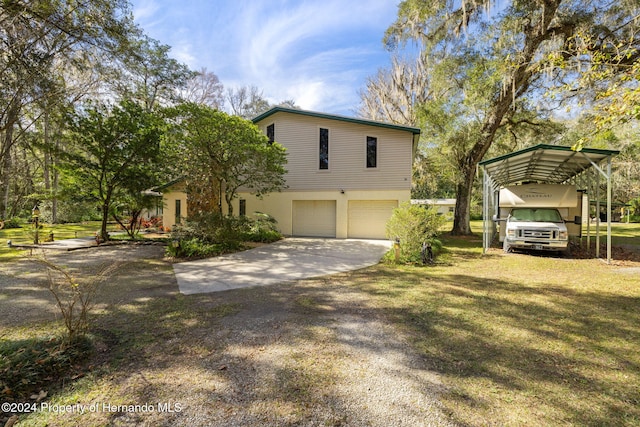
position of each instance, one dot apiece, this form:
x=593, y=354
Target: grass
x=25, y=235
x=27, y=366
x=519, y=339
x=516, y=339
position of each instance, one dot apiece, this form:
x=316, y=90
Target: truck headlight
x=511, y=233
x=563, y=235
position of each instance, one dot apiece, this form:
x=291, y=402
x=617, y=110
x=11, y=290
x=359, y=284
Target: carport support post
x=607, y=175
x=485, y=211
x=489, y=199
x=609, y=210
x=598, y=221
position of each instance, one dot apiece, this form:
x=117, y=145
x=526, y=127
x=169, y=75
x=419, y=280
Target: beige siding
x=280, y=206
x=368, y=218
x=348, y=199
x=169, y=211
x=169, y=197
x=347, y=154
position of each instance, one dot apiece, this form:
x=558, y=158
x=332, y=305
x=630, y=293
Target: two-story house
x=345, y=175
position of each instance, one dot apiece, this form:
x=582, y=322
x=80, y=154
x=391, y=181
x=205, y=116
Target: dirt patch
x=620, y=253
x=312, y=352
x=25, y=297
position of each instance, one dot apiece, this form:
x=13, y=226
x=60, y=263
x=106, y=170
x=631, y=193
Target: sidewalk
x=65, y=244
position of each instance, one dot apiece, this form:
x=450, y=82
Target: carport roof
x=543, y=163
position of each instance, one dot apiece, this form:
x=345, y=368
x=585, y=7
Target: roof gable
x=274, y=110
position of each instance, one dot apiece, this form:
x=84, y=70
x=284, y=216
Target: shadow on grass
x=542, y=354
x=30, y=365
x=510, y=353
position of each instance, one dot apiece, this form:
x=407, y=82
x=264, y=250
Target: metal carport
x=552, y=164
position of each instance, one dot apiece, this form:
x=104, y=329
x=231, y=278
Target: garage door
x=368, y=218
x=314, y=218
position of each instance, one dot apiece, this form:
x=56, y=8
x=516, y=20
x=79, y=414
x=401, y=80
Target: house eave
x=274, y=110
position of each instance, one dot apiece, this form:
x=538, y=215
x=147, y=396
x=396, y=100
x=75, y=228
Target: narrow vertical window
x=178, y=211
x=324, y=148
x=243, y=207
x=271, y=133
x=372, y=152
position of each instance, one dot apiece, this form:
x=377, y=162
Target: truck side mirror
x=495, y=218
x=577, y=220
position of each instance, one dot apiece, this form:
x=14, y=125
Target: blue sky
x=316, y=52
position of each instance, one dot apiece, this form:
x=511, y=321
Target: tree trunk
x=105, y=216
x=54, y=189
x=229, y=199
x=5, y=180
x=461, y=215
x=6, y=166
x=46, y=166
x=514, y=88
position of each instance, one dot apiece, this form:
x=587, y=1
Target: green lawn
x=25, y=235
x=516, y=339
x=520, y=339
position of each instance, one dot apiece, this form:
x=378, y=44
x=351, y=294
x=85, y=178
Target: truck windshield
x=536, y=215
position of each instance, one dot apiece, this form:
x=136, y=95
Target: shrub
x=10, y=223
x=413, y=225
x=263, y=229
x=74, y=297
x=27, y=366
x=634, y=218
x=196, y=248
x=210, y=234
x=153, y=222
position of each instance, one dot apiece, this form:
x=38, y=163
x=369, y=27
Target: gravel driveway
x=310, y=353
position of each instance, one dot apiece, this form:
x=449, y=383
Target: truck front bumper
x=543, y=245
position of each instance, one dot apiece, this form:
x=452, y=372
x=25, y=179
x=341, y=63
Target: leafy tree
x=114, y=153
x=502, y=62
x=150, y=76
x=228, y=153
x=35, y=38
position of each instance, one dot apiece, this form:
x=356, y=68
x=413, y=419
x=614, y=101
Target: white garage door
x=314, y=218
x=368, y=218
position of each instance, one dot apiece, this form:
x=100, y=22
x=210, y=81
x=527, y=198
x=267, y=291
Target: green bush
x=412, y=225
x=10, y=223
x=210, y=234
x=263, y=229
x=196, y=248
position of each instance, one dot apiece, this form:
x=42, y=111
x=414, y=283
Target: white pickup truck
x=537, y=229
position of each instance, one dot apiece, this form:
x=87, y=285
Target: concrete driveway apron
x=286, y=260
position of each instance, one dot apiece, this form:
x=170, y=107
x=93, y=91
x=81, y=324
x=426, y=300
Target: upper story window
x=372, y=152
x=271, y=132
x=324, y=148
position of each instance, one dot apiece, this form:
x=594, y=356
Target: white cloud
x=315, y=52
x=145, y=10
